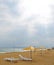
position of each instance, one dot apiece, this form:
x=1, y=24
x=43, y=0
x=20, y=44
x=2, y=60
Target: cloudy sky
x=26, y=22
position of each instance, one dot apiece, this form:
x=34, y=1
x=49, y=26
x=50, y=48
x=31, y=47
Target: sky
x=26, y=23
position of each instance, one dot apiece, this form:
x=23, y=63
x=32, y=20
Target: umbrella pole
x=31, y=54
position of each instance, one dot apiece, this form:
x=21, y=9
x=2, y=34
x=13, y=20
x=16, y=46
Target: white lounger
x=24, y=58
x=16, y=59
x=11, y=59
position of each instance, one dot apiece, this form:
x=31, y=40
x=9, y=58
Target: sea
x=5, y=50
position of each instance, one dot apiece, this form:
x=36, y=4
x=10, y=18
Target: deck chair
x=12, y=59
x=16, y=59
x=24, y=58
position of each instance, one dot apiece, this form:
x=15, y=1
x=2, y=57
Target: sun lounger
x=12, y=59
x=24, y=58
x=16, y=59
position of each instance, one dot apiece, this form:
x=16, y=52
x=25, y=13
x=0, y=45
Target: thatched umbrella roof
x=29, y=48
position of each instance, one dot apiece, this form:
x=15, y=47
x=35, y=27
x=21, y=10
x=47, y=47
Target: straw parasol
x=42, y=48
x=30, y=48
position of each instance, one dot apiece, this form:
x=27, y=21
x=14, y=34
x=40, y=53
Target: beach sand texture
x=38, y=58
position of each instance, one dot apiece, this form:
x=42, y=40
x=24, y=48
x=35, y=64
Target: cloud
x=25, y=20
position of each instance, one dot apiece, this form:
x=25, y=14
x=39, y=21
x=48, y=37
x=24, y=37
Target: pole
x=31, y=54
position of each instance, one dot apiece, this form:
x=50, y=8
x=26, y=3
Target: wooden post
x=31, y=54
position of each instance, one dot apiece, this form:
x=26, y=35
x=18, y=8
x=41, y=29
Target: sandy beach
x=38, y=58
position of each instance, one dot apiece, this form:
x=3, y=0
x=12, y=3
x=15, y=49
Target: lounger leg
x=11, y=61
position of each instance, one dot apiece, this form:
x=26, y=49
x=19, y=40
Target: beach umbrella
x=30, y=48
x=41, y=49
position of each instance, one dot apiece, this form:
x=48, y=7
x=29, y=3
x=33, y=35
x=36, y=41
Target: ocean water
x=4, y=50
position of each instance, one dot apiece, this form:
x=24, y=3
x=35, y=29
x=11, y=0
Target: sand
x=38, y=58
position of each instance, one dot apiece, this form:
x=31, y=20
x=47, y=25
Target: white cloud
x=37, y=10
x=33, y=7
x=31, y=14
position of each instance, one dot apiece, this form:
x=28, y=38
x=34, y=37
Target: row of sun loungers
x=16, y=59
